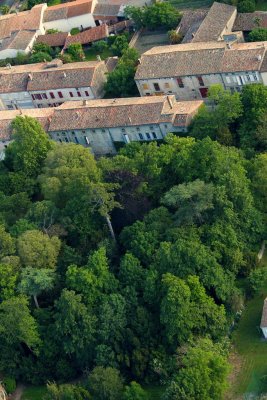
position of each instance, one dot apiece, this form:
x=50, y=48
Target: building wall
x=65, y=25
x=229, y=26
x=189, y=91
x=17, y=100
x=47, y=99
x=101, y=141
x=192, y=87
x=235, y=81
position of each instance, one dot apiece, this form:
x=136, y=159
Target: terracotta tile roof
x=68, y=10
x=111, y=63
x=249, y=21
x=6, y=117
x=88, y=36
x=120, y=112
x=191, y=17
x=264, y=315
x=120, y=26
x=214, y=23
x=53, y=39
x=19, y=40
x=106, y=10
x=47, y=76
x=200, y=59
x=68, y=76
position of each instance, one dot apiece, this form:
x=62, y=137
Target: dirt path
x=18, y=392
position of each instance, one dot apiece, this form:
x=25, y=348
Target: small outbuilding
x=264, y=319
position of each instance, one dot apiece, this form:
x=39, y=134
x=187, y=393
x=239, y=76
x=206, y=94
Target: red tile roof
x=88, y=36
x=68, y=10
x=53, y=39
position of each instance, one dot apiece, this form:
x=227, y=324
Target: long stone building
x=188, y=70
x=50, y=84
x=102, y=124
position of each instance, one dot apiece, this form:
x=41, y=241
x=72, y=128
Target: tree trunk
x=36, y=301
x=110, y=227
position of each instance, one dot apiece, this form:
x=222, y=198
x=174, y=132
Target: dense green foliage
x=128, y=267
x=120, y=82
x=258, y=35
x=156, y=16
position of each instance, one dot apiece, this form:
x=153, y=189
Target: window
x=60, y=94
x=147, y=94
x=79, y=94
x=83, y=131
x=71, y=94
x=156, y=87
x=93, y=130
x=76, y=139
x=103, y=130
x=228, y=79
x=86, y=140
x=200, y=80
x=37, y=96
x=87, y=93
x=10, y=107
x=123, y=130
x=167, y=85
x=148, y=135
x=126, y=138
x=52, y=95
x=60, y=140
x=151, y=128
x=44, y=96
x=248, y=78
x=138, y=129
x=154, y=135
x=145, y=86
x=141, y=137
x=66, y=139
x=33, y=96
x=73, y=132
x=180, y=82
x=166, y=126
x=255, y=77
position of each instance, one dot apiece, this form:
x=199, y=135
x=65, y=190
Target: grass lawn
x=251, y=347
x=34, y=393
x=154, y=392
x=261, y=5
x=182, y=4
x=90, y=54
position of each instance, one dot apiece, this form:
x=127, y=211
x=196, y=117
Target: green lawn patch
x=90, y=54
x=261, y=5
x=155, y=392
x=182, y=4
x=249, y=343
x=34, y=393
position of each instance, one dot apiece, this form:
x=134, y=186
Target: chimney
x=228, y=45
x=30, y=77
x=85, y=103
x=259, y=57
x=64, y=74
x=98, y=57
x=170, y=101
x=130, y=120
x=193, y=35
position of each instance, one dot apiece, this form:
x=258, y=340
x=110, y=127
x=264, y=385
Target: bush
x=9, y=384
x=256, y=279
x=49, y=31
x=100, y=46
x=74, y=31
x=120, y=45
x=246, y=6
x=40, y=57
x=258, y=35
x=105, y=384
x=76, y=51
x=175, y=37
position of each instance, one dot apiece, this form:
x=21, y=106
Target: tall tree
x=34, y=281
x=29, y=149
